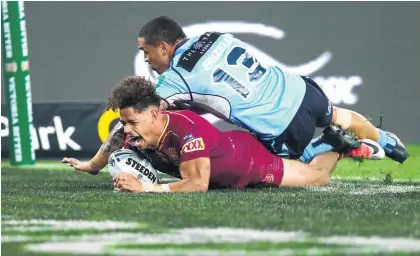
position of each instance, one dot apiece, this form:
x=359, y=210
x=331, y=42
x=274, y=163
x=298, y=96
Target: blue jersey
x=217, y=70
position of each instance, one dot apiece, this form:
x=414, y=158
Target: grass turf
x=351, y=206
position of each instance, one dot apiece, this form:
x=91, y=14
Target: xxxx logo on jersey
x=193, y=145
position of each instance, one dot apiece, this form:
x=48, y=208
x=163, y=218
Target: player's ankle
x=386, y=142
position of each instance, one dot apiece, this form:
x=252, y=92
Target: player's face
x=157, y=56
x=140, y=125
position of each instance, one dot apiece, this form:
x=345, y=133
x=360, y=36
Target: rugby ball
x=128, y=161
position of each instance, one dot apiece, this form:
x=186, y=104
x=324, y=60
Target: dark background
x=79, y=50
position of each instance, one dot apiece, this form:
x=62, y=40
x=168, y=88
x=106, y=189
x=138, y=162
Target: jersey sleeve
x=195, y=144
x=197, y=137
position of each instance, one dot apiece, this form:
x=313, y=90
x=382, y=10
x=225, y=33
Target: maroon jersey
x=237, y=159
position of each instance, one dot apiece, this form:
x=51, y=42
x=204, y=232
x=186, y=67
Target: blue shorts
x=315, y=111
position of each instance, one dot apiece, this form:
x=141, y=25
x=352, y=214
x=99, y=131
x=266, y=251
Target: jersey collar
x=164, y=133
x=176, y=51
x=181, y=44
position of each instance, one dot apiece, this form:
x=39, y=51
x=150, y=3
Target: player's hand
x=127, y=182
x=79, y=165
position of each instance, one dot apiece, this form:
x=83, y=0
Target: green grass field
x=372, y=208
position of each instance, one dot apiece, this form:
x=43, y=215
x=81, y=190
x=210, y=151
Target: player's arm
x=194, y=168
x=195, y=178
x=194, y=165
x=114, y=142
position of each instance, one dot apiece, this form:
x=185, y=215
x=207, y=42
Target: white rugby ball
x=126, y=160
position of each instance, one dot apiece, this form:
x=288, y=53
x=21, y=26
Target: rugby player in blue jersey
x=281, y=108
x=216, y=72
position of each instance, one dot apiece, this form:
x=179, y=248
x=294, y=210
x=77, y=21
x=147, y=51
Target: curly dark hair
x=133, y=91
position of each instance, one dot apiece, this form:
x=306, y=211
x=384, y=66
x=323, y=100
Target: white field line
x=366, y=189
x=386, y=244
x=208, y=252
x=99, y=244
x=106, y=242
x=385, y=189
x=280, y=252
x=357, y=178
x=46, y=225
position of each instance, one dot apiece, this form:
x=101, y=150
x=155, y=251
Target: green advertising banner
x=18, y=85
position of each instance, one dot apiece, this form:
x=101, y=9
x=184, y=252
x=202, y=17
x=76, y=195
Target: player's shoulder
x=186, y=120
x=182, y=116
x=192, y=128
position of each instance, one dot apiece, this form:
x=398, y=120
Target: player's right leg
x=324, y=114
x=362, y=128
x=316, y=173
x=348, y=145
x=296, y=141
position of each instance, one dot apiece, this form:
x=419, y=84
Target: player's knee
x=342, y=117
x=201, y=185
x=321, y=176
x=324, y=181
x=204, y=187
